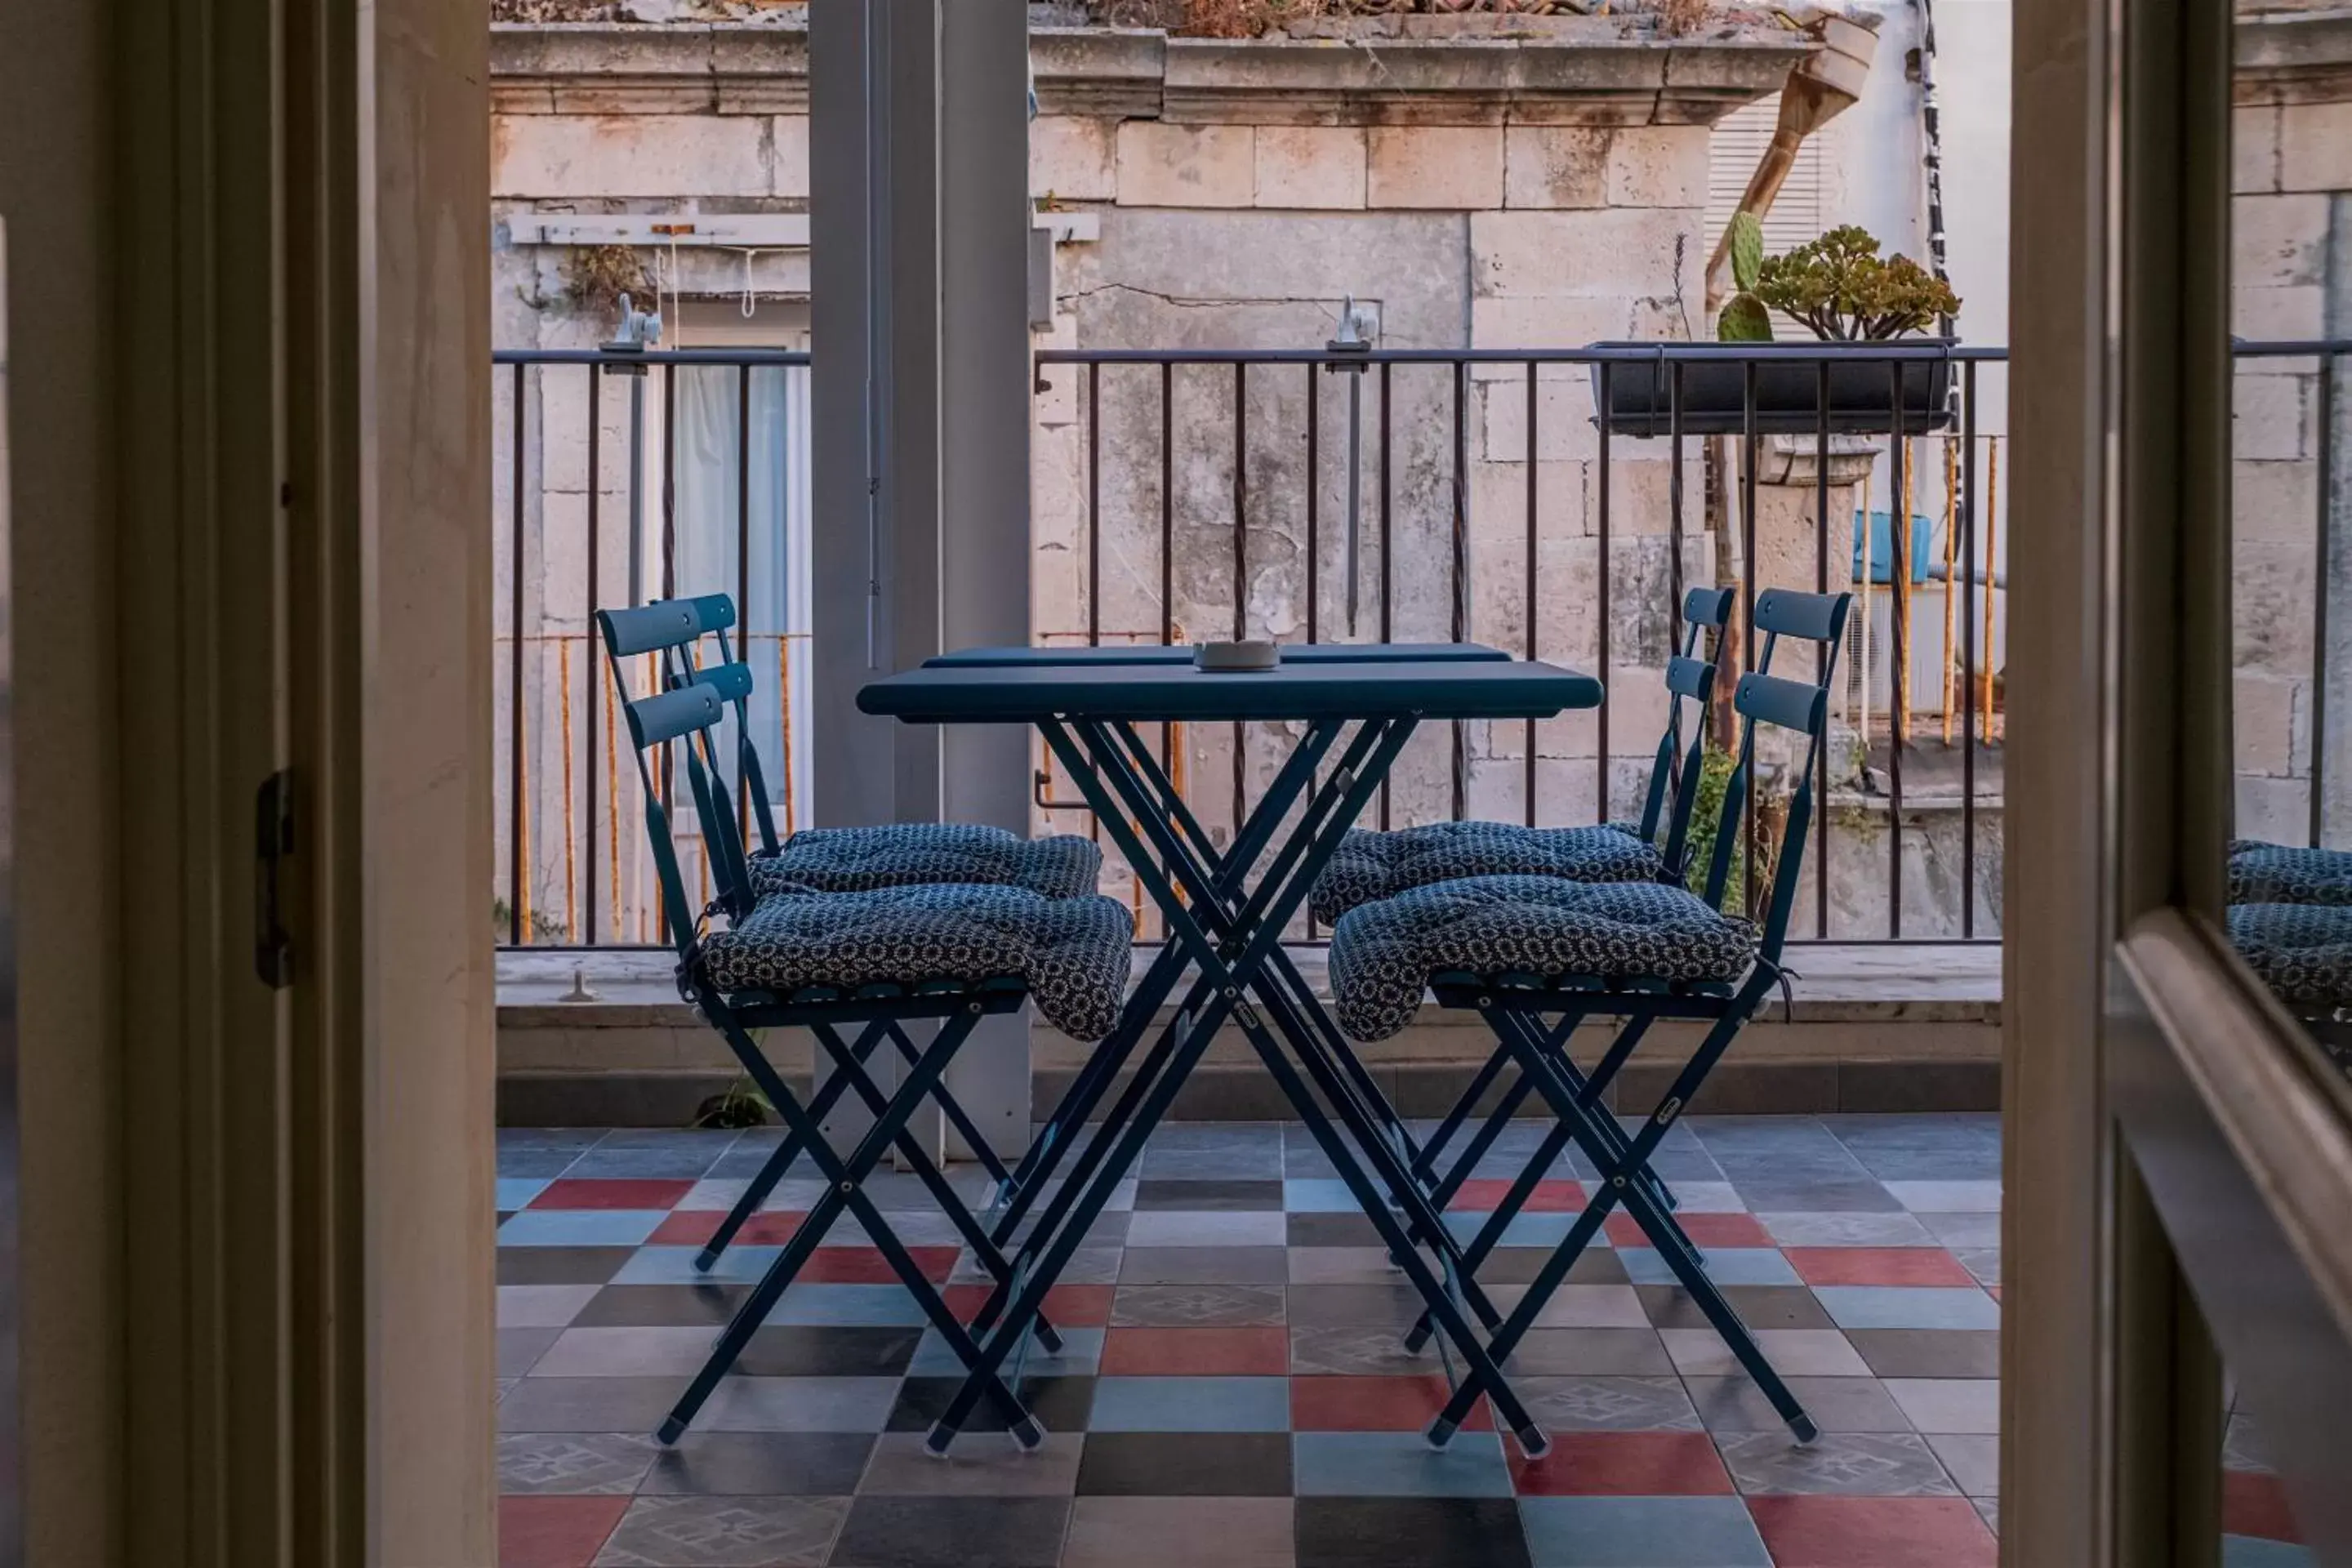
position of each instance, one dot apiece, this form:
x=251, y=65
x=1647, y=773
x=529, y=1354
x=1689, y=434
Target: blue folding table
x=1225, y=915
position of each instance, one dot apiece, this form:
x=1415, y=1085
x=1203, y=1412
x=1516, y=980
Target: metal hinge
x=273, y=841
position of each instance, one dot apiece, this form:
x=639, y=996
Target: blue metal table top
x=1181, y=654
x=1141, y=693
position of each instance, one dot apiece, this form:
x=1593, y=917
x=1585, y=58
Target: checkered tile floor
x=1233, y=1391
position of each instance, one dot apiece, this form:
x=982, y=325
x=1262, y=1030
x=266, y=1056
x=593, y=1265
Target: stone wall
x=2292, y=271
x=1532, y=192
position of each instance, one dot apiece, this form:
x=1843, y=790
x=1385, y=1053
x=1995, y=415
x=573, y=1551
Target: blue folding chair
x=1536, y=955
x=844, y=861
x=886, y=956
x=1372, y=865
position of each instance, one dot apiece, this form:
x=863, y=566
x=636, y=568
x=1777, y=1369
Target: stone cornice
x=2295, y=56
x=1596, y=74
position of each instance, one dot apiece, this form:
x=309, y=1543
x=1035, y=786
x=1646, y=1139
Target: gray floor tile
x=1357, y=1351
x=520, y=1349
x=1930, y=1352
x=605, y=1463
x=1590, y=1352
x=902, y=1467
x=724, y=1532
x=588, y=1404
x=1841, y=1464
x=1608, y=1404
x=1734, y=1404
x=1354, y=1305
x=952, y=1532
x=761, y=1463
x=1186, y=1464
x=799, y=1405
x=1759, y=1306
x=1848, y=1230
x=1973, y=1461
x=1203, y=1266
x=1196, y=1306
x=1179, y=1532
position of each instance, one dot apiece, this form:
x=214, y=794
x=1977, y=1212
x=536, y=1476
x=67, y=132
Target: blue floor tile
x=1524, y=1229
x=674, y=1265
x=1907, y=1307
x=847, y=1306
x=1191, y=1404
x=1725, y=1266
x=579, y=1228
x=1641, y=1532
x=1080, y=1353
x=1398, y=1464
x=516, y=1192
x=2254, y=1552
x=1318, y=1194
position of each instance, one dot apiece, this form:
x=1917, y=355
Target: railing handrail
x=753, y=357
x=1668, y=350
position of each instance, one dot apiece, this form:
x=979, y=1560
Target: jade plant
x=1838, y=285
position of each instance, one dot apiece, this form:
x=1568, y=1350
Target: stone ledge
x=1594, y=74
x=2293, y=57
x=1240, y=1092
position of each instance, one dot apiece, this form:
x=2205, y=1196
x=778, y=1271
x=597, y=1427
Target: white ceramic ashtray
x=1229, y=657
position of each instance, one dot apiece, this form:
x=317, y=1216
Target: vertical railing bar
x=1748, y=607
x=669, y=569
x=1388, y=432
x=1601, y=615
x=1674, y=532
x=1968, y=650
x=1314, y=541
x=1314, y=509
x=1094, y=504
x=1167, y=544
x=2327, y=456
x=1898, y=666
x=1461, y=620
x=743, y=580
x=1822, y=585
x=516, y=897
x=1241, y=558
x=596, y=642
x=1534, y=610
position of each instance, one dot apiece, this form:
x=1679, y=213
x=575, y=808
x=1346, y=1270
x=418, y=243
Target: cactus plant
x=1744, y=319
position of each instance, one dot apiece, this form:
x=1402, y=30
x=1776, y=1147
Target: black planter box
x=1788, y=392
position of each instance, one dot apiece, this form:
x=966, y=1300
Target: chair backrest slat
x=673, y=714
x=650, y=629
x=1675, y=774
x=1801, y=706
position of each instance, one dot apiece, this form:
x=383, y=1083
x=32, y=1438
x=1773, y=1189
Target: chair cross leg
x=927, y=1171
x=846, y=1196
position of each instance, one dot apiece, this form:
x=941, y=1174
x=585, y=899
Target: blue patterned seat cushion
x=2264, y=873
x=1384, y=955
x=906, y=854
x=1370, y=864
x=2302, y=952
x=1073, y=954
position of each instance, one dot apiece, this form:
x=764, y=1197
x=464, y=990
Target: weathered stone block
x=2276, y=502
x=1555, y=166
x=1450, y=166
x=1563, y=415
x=2272, y=605
x=651, y=155
x=2254, y=148
x=2272, y=417
x=2279, y=314
x=2261, y=724
x=1547, y=323
x=1163, y=165
x=2315, y=146
x=1073, y=157
x=2279, y=241
x=1310, y=166
x=1620, y=251
x=2274, y=808
x=1640, y=490
x=1658, y=166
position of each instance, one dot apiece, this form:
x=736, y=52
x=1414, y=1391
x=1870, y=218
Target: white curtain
x=759, y=555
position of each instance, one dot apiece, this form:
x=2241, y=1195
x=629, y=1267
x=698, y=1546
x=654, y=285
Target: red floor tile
x=555, y=1531
x=865, y=1266
x=1874, y=1532
x=1704, y=1229
x=1876, y=1266
x=1070, y=1306
x=1196, y=1352
x=1623, y=1464
x=586, y=1194
x=1484, y=1194
x=2255, y=1504
x=695, y=1227
x=1374, y=1404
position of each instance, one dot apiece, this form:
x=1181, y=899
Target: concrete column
x=920, y=234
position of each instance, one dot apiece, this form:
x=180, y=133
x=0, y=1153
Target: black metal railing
x=1554, y=502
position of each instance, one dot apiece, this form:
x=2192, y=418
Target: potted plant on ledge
x=1857, y=302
